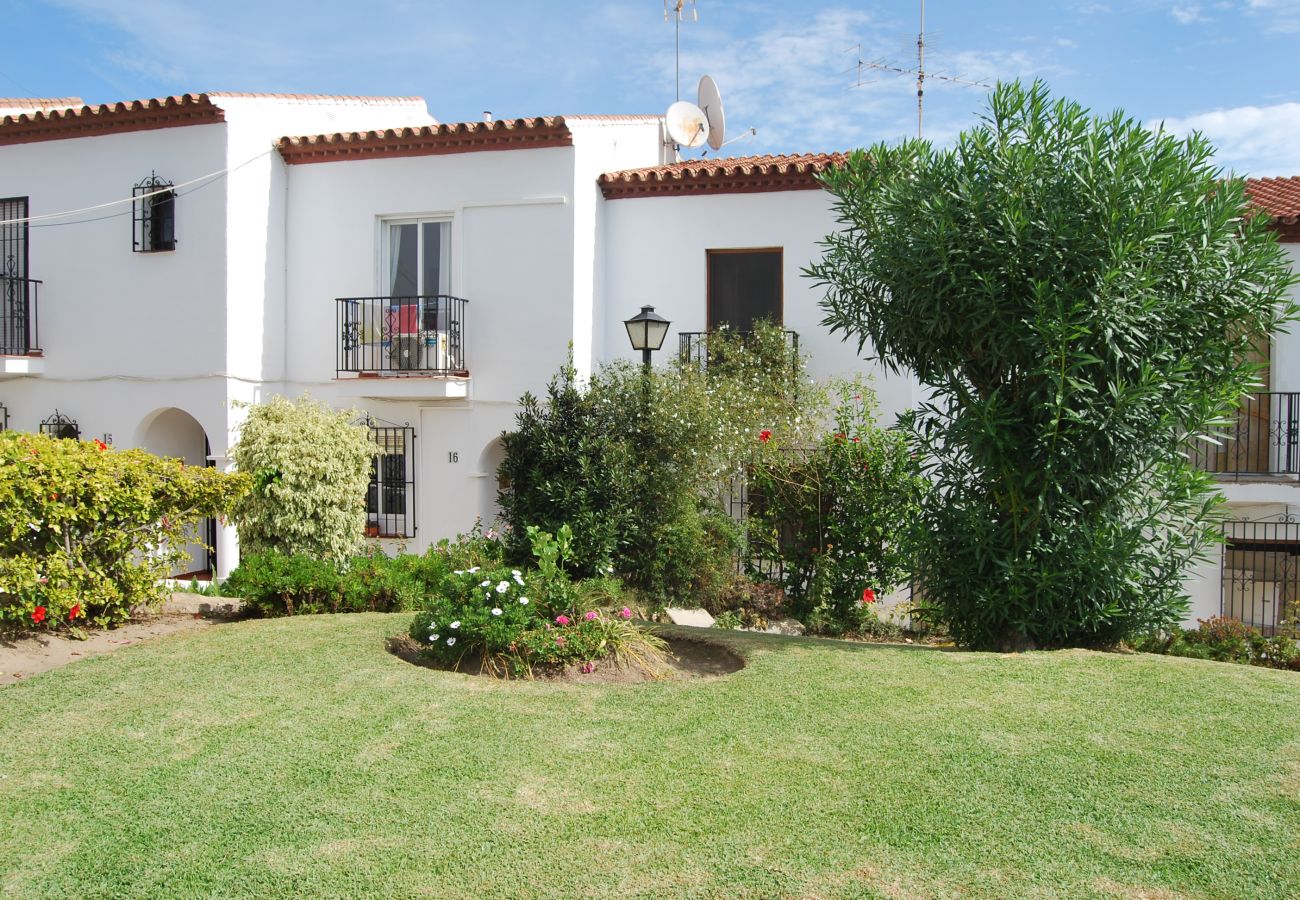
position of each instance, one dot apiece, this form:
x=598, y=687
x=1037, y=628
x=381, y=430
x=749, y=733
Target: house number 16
x=453, y=456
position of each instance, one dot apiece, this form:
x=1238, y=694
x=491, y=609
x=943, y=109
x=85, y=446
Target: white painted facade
x=152, y=348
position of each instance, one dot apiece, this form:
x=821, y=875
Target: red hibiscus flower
x=100, y=444
x=765, y=435
x=75, y=611
x=38, y=614
x=868, y=595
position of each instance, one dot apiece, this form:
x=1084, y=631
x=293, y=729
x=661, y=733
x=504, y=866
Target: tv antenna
x=918, y=71
x=678, y=9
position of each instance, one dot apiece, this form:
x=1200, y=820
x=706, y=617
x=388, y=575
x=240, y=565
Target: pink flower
x=559, y=642
x=562, y=620
x=591, y=615
x=588, y=668
x=625, y=613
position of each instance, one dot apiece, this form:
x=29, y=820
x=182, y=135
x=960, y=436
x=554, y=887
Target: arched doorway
x=489, y=464
x=175, y=433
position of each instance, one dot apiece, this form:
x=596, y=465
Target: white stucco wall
x=657, y=255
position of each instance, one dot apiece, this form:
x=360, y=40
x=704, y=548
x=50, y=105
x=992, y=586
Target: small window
x=60, y=426
x=155, y=215
x=744, y=288
x=4, y=417
x=390, y=500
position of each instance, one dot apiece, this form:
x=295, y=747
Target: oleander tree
x=1080, y=295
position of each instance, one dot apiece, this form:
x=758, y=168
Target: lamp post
x=646, y=330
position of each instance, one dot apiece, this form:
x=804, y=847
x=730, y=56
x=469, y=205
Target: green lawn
x=296, y=757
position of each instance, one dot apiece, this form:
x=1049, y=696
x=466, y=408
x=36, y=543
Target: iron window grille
x=18, y=292
x=4, y=417
x=154, y=215
x=1260, y=583
x=390, y=499
x=60, y=426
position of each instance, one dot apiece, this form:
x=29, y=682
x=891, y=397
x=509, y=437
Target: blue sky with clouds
x=785, y=68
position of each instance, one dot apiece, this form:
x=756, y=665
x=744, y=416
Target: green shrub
x=311, y=467
x=87, y=532
x=1224, y=640
x=279, y=584
x=1081, y=297
x=632, y=462
x=835, y=518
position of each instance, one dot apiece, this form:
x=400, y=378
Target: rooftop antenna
x=678, y=9
x=918, y=71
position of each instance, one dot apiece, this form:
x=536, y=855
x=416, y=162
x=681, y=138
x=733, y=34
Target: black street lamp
x=647, y=330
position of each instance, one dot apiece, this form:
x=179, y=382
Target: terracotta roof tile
x=1279, y=199
x=723, y=175
x=429, y=140
x=40, y=102
x=133, y=115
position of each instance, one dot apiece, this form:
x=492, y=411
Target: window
x=744, y=288
x=60, y=426
x=16, y=325
x=1261, y=572
x=4, y=417
x=390, y=500
x=154, y=215
x=422, y=320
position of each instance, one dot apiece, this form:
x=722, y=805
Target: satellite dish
x=711, y=103
x=687, y=124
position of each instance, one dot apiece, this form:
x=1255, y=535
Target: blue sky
x=785, y=68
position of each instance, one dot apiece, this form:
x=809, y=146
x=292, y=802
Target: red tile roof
x=725, y=175
x=40, y=102
x=429, y=140
x=134, y=115
x=1279, y=198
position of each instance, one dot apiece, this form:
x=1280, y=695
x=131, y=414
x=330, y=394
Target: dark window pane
x=744, y=287
x=404, y=261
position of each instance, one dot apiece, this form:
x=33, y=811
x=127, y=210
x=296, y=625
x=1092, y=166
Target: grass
x=295, y=757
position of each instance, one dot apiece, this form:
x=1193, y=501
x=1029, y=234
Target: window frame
x=384, y=258
x=386, y=488
x=711, y=254
x=153, y=214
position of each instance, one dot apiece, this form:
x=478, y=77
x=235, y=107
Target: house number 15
x=453, y=456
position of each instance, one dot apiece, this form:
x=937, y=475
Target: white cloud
x=1277, y=15
x=1251, y=140
x=1187, y=13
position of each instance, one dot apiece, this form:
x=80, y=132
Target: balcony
x=693, y=346
x=1264, y=441
x=20, y=344
x=396, y=337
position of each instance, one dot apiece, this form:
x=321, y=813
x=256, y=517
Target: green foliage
x=1080, y=295
x=835, y=517
x=87, y=532
x=278, y=584
x=631, y=462
x=1225, y=640
x=311, y=467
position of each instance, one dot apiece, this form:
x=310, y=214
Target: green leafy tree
x=87, y=532
x=310, y=467
x=1080, y=295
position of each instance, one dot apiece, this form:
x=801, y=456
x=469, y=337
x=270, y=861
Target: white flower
x=519, y=579
x=472, y=569
x=523, y=601
x=434, y=637
x=456, y=624
x=433, y=626
x=451, y=642
x=503, y=587
x=496, y=611
x=484, y=583
x=516, y=572
x=458, y=571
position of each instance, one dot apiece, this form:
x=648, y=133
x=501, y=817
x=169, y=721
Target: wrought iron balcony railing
x=693, y=346
x=1264, y=440
x=422, y=335
x=19, y=335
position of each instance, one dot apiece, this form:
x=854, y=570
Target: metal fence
x=1260, y=583
x=422, y=335
x=693, y=346
x=1264, y=439
x=390, y=500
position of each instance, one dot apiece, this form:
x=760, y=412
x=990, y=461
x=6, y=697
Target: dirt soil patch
x=688, y=658
x=31, y=654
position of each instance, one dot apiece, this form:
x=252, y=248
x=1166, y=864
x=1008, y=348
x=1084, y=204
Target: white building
x=426, y=275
